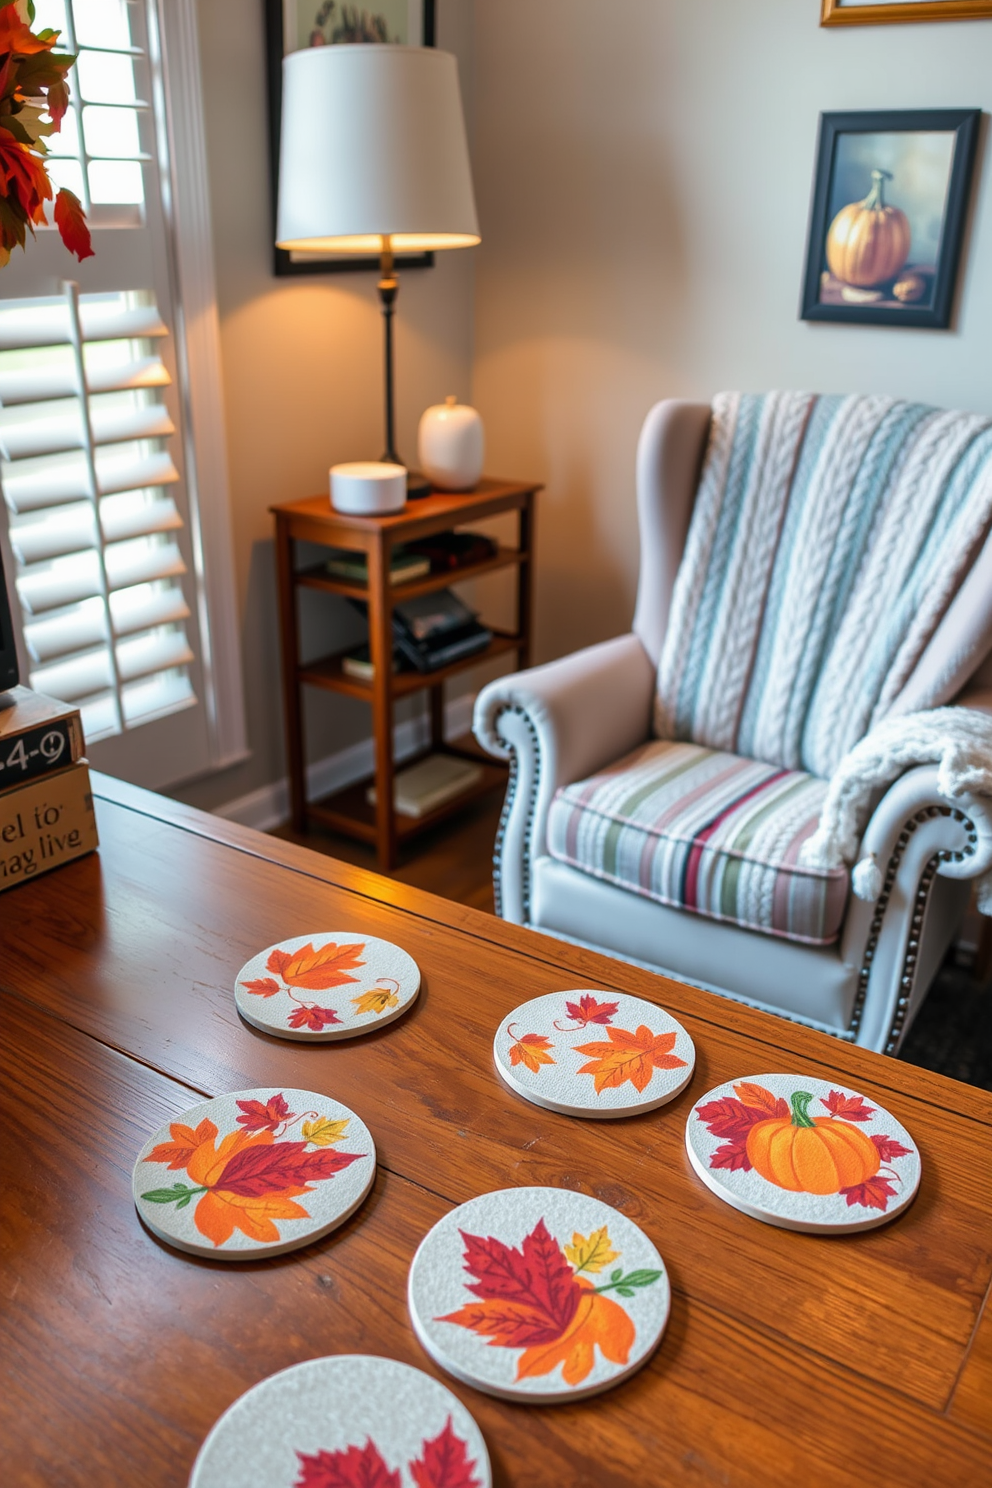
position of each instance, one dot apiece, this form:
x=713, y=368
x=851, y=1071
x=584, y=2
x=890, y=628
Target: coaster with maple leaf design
x=351, y=1421
x=259, y=1172
x=539, y=1295
x=803, y=1154
x=318, y=988
x=593, y=1053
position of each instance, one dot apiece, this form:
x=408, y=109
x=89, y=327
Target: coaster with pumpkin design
x=350, y=1419
x=538, y=1295
x=593, y=1053
x=803, y=1154
x=256, y=1173
x=317, y=988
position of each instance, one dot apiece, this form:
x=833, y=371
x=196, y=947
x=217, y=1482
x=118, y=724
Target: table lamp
x=374, y=159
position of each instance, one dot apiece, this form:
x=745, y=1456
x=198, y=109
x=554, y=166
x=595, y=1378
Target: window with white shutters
x=87, y=478
x=109, y=416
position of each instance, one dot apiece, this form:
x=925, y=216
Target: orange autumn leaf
x=758, y=1098
x=597, y=1320
x=317, y=970
x=375, y=1001
x=206, y=1165
x=218, y=1215
x=185, y=1142
x=531, y=1050
x=507, y=1323
x=628, y=1056
x=70, y=220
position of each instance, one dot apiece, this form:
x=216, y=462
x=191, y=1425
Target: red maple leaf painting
x=535, y=1281
x=587, y=1010
x=265, y=987
x=255, y=1117
x=444, y=1463
x=259, y=1170
x=354, y=1467
x=889, y=1148
x=874, y=1193
x=314, y=1018
x=732, y=1119
x=850, y=1107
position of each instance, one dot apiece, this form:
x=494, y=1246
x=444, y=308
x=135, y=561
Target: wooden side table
x=314, y=520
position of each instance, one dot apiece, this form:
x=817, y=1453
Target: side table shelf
x=314, y=520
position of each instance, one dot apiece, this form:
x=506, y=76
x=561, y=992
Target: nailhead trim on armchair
x=504, y=816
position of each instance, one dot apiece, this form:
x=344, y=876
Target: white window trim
x=174, y=46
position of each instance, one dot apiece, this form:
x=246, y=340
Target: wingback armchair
x=661, y=791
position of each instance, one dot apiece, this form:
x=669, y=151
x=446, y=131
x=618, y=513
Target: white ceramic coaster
x=803, y=1154
x=349, y=1420
x=593, y=1053
x=538, y=1295
x=255, y=1173
x=323, y=987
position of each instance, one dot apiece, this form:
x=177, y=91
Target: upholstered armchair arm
x=926, y=845
x=557, y=723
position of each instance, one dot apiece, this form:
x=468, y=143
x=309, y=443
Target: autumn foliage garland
x=32, y=84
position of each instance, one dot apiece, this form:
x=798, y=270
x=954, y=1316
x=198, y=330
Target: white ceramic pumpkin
x=451, y=445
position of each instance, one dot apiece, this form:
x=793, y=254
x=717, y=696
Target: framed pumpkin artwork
x=890, y=198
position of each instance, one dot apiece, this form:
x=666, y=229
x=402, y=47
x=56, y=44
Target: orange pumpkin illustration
x=805, y=1154
x=868, y=242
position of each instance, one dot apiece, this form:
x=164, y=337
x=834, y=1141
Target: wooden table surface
x=788, y=1358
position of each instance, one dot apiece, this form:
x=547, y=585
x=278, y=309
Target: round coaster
x=349, y=1419
x=255, y=1173
x=803, y=1154
x=593, y=1053
x=538, y=1295
x=322, y=987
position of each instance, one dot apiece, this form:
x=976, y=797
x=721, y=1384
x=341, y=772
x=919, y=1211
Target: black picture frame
x=826, y=297
x=283, y=263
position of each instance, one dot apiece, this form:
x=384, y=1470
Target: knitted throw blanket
x=827, y=540
x=958, y=740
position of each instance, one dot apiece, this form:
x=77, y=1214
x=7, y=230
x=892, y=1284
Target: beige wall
x=643, y=169
x=303, y=376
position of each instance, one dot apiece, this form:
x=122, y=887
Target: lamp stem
x=388, y=287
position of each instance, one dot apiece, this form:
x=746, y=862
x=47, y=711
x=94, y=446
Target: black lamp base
x=417, y=485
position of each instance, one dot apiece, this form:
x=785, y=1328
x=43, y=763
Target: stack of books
x=404, y=566
x=434, y=630
x=46, y=806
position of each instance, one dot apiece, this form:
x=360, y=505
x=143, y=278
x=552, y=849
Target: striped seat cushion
x=704, y=831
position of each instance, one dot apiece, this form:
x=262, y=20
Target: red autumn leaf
x=731, y=1118
x=757, y=1098
x=850, y=1107
x=732, y=1155
x=889, y=1148
x=71, y=223
x=316, y=971
x=354, y=1467
x=265, y=987
x=587, y=1010
x=537, y=1276
x=256, y=1117
x=444, y=1463
x=874, y=1193
x=259, y=1170
x=315, y=1018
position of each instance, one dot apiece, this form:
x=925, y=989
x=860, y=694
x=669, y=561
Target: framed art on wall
x=880, y=12
x=292, y=25
x=887, y=220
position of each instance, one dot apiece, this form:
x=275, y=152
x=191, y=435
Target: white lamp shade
x=373, y=143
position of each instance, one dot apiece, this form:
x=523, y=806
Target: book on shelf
x=37, y=736
x=404, y=566
x=358, y=663
x=430, y=783
x=434, y=630
x=448, y=550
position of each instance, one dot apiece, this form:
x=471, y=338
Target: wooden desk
x=314, y=520
x=789, y=1359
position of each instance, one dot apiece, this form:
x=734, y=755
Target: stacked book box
x=46, y=806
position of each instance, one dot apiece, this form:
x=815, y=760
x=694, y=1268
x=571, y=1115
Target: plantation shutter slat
x=95, y=534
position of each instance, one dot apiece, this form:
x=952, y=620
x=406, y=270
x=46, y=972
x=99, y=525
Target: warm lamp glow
x=373, y=243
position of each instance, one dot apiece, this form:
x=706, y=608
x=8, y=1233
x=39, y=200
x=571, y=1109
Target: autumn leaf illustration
x=177, y=1153
x=889, y=1148
x=323, y=1132
x=628, y=1056
x=255, y=1117
x=732, y=1119
x=759, y=1099
x=314, y=1018
x=254, y=1171
x=266, y=987
x=375, y=1001
x=850, y=1107
x=530, y=1050
x=587, y=1010
x=591, y=1254
x=873, y=1193
x=598, y=1320
x=444, y=1462
x=353, y=1467
x=317, y=970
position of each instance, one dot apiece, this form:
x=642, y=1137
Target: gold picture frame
x=889, y=12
